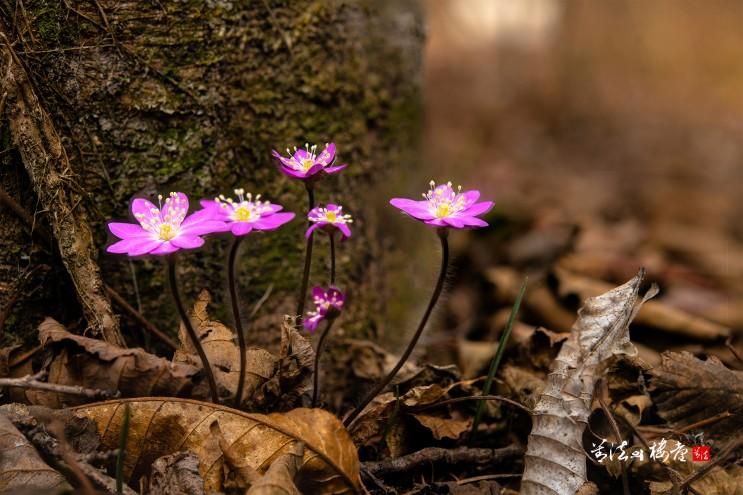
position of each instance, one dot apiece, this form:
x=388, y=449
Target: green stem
x=238, y=320
x=495, y=363
x=307, y=257
x=316, y=379
x=332, y=258
x=190, y=330
x=442, y=232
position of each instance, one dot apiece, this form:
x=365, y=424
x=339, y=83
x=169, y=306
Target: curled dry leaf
x=95, y=364
x=220, y=347
x=21, y=467
x=176, y=474
x=555, y=462
x=441, y=427
x=687, y=390
x=161, y=426
x=279, y=479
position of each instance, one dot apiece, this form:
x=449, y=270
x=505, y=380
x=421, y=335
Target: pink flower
x=443, y=207
x=329, y=218
x=306, y=163
x=247, y=213
x=163, y=230
x=328, y=304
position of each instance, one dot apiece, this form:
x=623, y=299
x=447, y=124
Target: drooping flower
x=328, y=304
x=162, y=230
x=307, y=163
x=444, y=207
x=328, y=218
x=246, y=214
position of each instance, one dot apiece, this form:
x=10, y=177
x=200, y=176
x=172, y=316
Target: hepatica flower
x=246, y=214
x=442, y=206
x=328, y=305
x=307, y=163
x=162, y=230
x=328, y=218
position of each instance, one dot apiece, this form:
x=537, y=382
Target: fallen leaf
x=176, y=474
x=717, y=482
x=279, y=479
x=21, y=467
x=162, y=426
x=442, y=428
x=223, y=353
x=687, y=390
x=555, y=461
x=526, y=385
x=95, y=364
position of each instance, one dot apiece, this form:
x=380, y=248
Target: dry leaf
x=176, y=474
x=371, y=362
x=223, y=353
x=555, y=462
x=279, y=479
x=686, y=390
x=96, y=364
x=21, y=467
x=526, y=385
x=442, y=428
x=717, y=482
x=162, y=426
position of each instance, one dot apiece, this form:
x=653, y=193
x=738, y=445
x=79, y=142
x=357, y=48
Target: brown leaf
x=176, y=474
x=717, y=482
x=221, y=348
x=92, y=363
x=162, y=426
x=279, y=479
x=555, y=461
x=442, y=428
x=687, y=390
x=21, y=467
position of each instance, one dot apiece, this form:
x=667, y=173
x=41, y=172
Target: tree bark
x=152, y=96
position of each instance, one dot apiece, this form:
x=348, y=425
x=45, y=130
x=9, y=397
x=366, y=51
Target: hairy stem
x=238, y=321
x=332, y=258
x=307, y=257
x=442, y=232
x=318, y=351
x=190, y=330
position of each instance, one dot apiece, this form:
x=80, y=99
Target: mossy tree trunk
x=154, y=96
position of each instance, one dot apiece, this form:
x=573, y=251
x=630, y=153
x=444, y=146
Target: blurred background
x=609, y=135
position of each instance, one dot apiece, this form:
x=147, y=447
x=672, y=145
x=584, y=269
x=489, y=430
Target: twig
x=474, y=397
x=729, y=345
x=32, y=381
x=724, y=453
x=261, y=301
x=618, y=434
x=139, y=318
x=449, y=456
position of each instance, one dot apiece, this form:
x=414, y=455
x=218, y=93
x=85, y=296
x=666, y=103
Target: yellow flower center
x=443, y=210
x=167, y=232
x=331, y=216
x=242, y=214
x=307, y=163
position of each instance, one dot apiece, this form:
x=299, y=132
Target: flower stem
x=238, y=320
x=307, y=257
x=190, y=330
x=318, y=351
x=495, y=363
x=442, y=232
x=332, y=258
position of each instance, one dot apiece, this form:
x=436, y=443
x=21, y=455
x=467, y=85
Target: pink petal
x=165, y=248
x=290, y=172
x=241, y=228
x=438, y=222
x=318, y=292
x=471, y=196
x=187, y=241
x=472, y=221
x=273, y=221
x=179, y=201
x=127, y=230
x=344, y=228
x=141, y=206
x=335, y=169
x=416, y=209
x=454, y=222
x=477, y=209
x=134, y=247
x=328, y=154
x=313, y=228
x=204, y=227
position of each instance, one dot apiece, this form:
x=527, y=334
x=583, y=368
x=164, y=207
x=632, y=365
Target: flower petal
x=175, y=206
x=241, y=228
x=472, y=221
x=133, y=247
x=438, y=222
x=454, y=222
x=187, y=241
x=344, y=229
x=477, y=209
x=313, y=170
x=166, y=247
x=127, y=230
x=310, y=324
x=335, y=169
x=290, y=172
x=318, y=292
x=328, y=155
x=416, y=209
x=470, y=196
x=144, y=208
x=312, y=228
x=337, y=294
x=273, y=221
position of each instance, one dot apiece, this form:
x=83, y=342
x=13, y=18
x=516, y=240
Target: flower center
x=307, y=164
x=242, y=214
x=167, y=232
x=331, y=216
x=443, y=210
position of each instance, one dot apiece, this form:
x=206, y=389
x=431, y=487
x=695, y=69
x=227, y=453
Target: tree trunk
x=147, y=97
